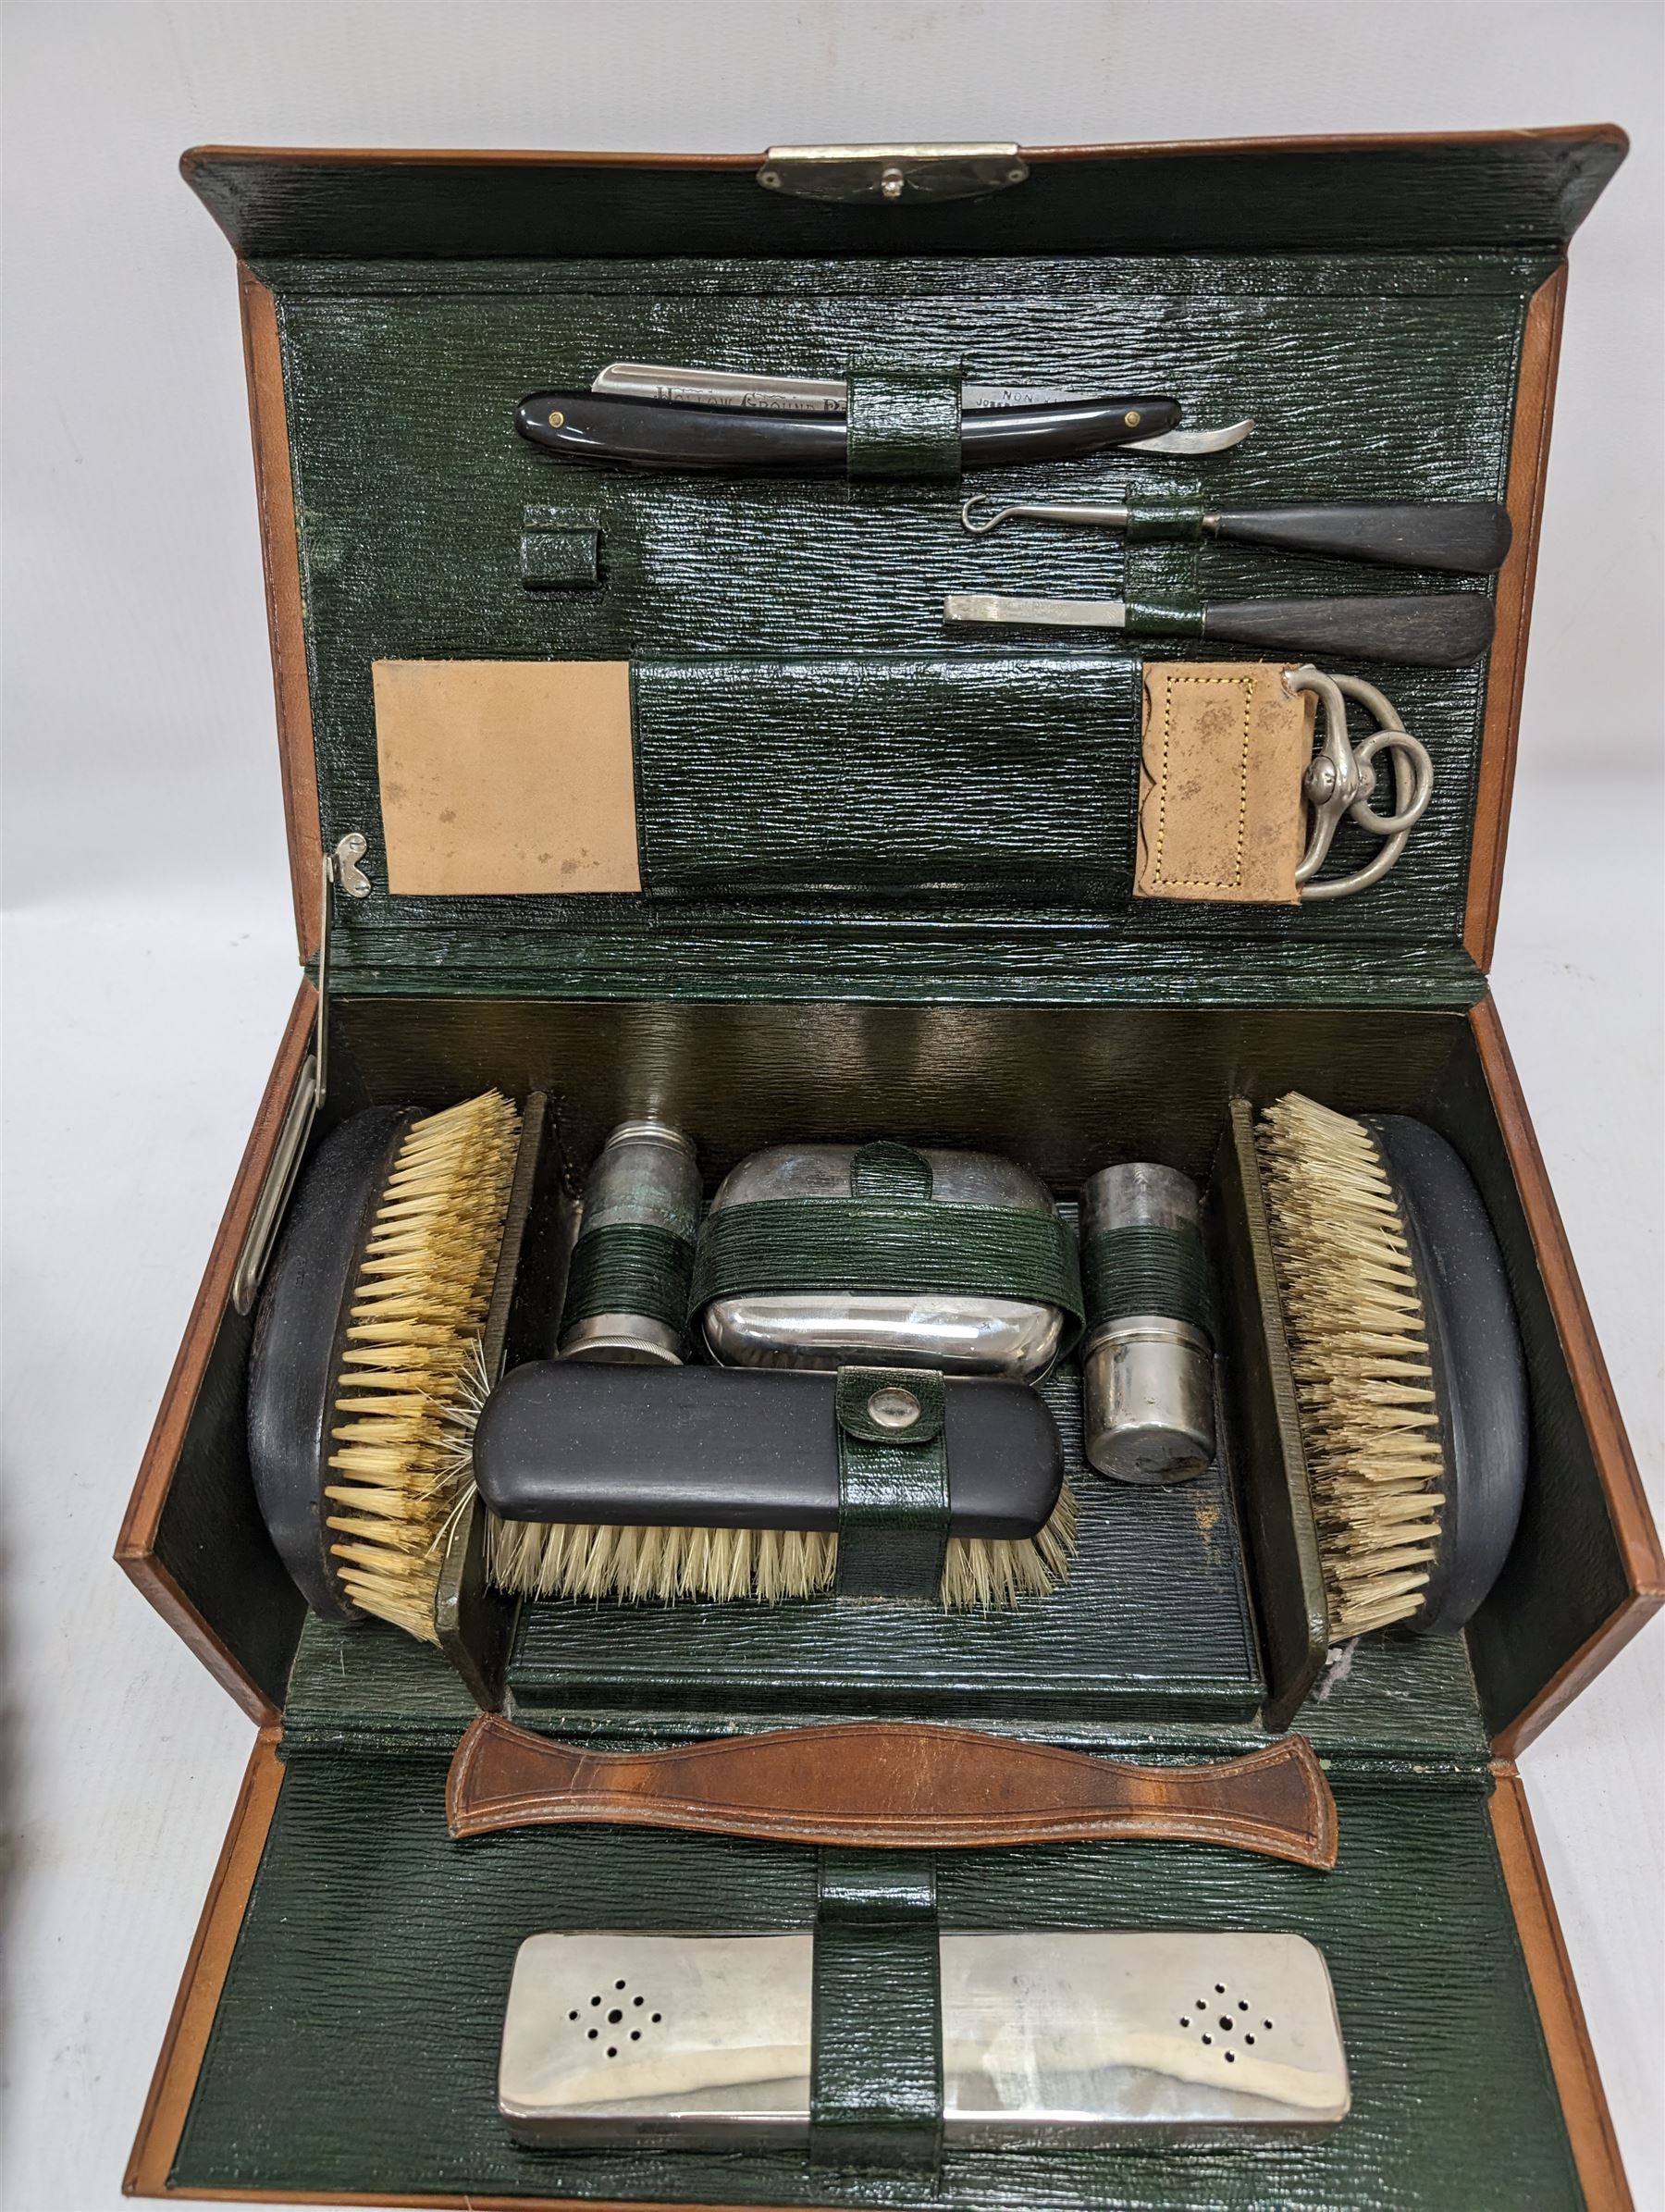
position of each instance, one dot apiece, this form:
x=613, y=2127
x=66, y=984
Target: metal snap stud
x=892, y=1407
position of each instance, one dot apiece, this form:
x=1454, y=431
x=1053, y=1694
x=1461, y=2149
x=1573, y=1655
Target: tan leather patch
x=1220, y=810
x=502, y=776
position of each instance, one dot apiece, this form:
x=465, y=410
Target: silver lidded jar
x=627, y=1283
x=828, y=1319
x=1147, y=1369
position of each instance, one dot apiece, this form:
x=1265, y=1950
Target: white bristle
x=410, y=1379
x=767, y=1565
x=1359, y=1350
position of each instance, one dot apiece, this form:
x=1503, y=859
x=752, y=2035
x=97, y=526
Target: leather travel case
x=887, y=936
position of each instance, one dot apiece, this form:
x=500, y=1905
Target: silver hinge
x=852, y=174
x=341, y=872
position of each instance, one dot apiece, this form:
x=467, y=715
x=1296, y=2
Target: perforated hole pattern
x=1223, y=2015
x=620, y=2006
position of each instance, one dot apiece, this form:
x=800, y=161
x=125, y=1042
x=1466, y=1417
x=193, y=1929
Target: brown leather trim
x=196, y=157
x=174, y=2081
x=895, y=1785
x=1583, y=2101
x=1621, y=1485
x=135, y=1545
x=1506, y=676
x=280, y=556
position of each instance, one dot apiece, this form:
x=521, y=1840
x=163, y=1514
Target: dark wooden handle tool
x=896, y=1784
x=1426, y=629
x=590, y=426
x=1464, y=538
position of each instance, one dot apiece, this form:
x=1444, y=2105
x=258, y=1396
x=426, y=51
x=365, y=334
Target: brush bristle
x=767, y=1566
x=1359, y=1348
x=410, y=1381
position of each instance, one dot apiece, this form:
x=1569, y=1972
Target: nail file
x=702, y=2041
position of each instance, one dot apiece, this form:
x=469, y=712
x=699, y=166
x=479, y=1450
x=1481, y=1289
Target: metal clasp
x=855, y=173
x=341, y=871
x=1340, y=780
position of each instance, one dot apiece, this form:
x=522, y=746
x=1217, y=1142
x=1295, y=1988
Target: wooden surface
x=285, y=622
x=892, y=1786
x=1505, y=673
x=1621, y=1484
x=135, y=1544
x=1583, y=2101
x=193, y=2019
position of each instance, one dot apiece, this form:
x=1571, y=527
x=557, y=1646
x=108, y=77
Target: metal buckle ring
x=1340, y=780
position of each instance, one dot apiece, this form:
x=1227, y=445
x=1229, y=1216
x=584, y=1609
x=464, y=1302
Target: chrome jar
x=627, y=1285
x=827, y=1256
x=1147, y=1372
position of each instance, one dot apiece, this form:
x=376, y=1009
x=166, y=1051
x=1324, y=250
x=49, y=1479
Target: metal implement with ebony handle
x=1422, y=629
x=760, y=392
x=591, y=425
x=1463, y=538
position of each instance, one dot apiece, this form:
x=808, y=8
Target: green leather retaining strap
x=902, y=422
x=629, y=1268
x=886, y=1170
x=1146, y=1270
x=1163, y=521
x=888, y=1246
x=560, y=550
x=1145, y=621
x=876, y=2032
x=893, y=1484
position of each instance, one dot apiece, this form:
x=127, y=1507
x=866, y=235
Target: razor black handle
x=1424, y=629
x=576, y=1442
x=1464, y=538
x=588, y=425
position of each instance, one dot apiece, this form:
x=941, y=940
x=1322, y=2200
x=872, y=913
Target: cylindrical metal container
x=627, y=1286
x=1147, y=1372
x=828, y=1255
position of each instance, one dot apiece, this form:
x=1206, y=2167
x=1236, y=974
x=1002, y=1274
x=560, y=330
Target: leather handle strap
x=896, y=1785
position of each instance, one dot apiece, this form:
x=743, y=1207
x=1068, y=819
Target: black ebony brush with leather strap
x=380, y=1334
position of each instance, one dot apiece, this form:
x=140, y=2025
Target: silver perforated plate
x=690, y=2042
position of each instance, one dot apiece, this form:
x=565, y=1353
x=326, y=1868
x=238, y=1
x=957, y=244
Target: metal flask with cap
x=627, y=1285
x=827, y=1256
x=1147, y=1368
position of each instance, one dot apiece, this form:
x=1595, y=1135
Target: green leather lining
x=355, y=2043
x=893, y=1487
x=629, y=1268
x=1387, y=370
x=904, y=421
x=1146, y=1270
x=876, y=2035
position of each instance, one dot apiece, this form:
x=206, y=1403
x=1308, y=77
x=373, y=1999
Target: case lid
x=829, y=792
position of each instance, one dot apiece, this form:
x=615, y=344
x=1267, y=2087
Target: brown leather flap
x=894, y=1785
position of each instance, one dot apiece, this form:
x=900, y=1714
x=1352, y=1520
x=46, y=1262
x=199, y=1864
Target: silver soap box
x=1014, y=1338
x=679, y=2042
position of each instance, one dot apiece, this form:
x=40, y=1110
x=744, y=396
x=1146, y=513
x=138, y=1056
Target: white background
x=150, y=960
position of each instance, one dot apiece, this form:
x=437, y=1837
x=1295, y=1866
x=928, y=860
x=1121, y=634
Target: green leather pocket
x=1008, y=772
